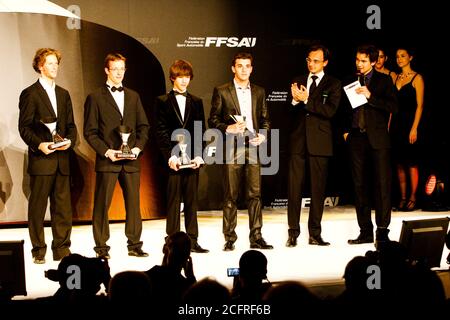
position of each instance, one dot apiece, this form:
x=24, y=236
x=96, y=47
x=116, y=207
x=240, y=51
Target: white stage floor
x=312, y=265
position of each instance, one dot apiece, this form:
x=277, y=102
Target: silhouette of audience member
x=290, y=298
x=405, y=282
x=80, y=279
x=128, y=288
x=248, y=286
x=168, y=282
x=207, y=292
x=357, y=292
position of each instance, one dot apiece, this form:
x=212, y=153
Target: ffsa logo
x=231, y=42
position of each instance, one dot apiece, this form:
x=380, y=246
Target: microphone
x=361, y=78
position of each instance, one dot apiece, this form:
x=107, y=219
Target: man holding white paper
x=367, y=136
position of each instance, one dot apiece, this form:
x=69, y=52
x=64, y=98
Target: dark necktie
x=313, y=85
x=184, y=94
x=114, y=89
x=361, y=120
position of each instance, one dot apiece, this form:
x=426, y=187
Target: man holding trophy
x=116, y=127
x=46, y=125
x=180, y=127
x=232, y=103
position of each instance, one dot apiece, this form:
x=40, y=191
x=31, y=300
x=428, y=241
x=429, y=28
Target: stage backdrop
x=152, y=34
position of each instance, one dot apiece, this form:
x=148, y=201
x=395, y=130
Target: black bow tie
x=184, y=94
x=114, y=89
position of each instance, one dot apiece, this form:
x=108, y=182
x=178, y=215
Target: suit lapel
x=187, y=109
x=322, y=83
x=254, y=99
x=59, y=102
x=234, y=98
x=109, y=99
x=45, y=99
x=127, y=102
x=174, y=105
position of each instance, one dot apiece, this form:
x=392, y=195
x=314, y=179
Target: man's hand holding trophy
x=125, y=152
x=59, y=143
x=183, y=161
x=240, y=127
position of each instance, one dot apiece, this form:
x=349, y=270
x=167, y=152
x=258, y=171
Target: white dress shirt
x=245, y=103
x=181, y=100
x=50, y=89
x=119, y=97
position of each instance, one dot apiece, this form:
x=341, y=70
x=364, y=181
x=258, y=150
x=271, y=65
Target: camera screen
x=232, y=272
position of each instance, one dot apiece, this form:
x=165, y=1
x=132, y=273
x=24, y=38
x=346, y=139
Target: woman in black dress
x=404, y=128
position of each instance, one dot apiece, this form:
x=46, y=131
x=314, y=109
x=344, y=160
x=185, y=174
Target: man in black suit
x=315, y=99
x=232, y=102
x=48, y=167
x=180, y=114
x=366, y=133
x=107, y=108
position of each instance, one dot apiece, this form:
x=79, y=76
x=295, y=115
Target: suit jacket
x=169, y=119
x=310, y=122
x=382, y=102
x=34, y=104
x=101, y=120
x=225, y=103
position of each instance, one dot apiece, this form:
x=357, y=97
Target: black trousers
x=366, y=160
x=318, y=170
x=182, y=187
x=57, y=187
x=104, y=188
x=245, y=165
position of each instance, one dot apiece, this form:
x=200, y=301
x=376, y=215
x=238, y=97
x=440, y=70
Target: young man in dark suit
x=366, y=133
x=107, y=108
x=181, y=113
x=48, y=167
x=232, y=102
x=315, y=99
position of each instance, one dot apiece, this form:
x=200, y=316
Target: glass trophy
x=184, y=160
x=239, y=118
x=58, y=141
x=125, y=151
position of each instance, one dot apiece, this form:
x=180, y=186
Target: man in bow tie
x=181, y=113
x=315, y=99
x=107, y=108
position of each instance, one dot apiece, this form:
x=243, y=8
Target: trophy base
x=125, y=156
x=59, y=144
x=185, y=166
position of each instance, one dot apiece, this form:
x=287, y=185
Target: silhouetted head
x=78, y=273
x=177, y=249
x=130, y=287
x=253, y=265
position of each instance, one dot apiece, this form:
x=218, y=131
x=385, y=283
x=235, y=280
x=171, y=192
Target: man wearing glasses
x=107, y=108
x=315, y=99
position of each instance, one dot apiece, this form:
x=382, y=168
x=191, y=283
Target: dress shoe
x=361, y=239
x=137, y=253
x=229, y=246
x=198, y=249
x=260, y=244
x=103, y=255
x=39, y=260
x=318, y=241
x=60, y=257
x=291, y=242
